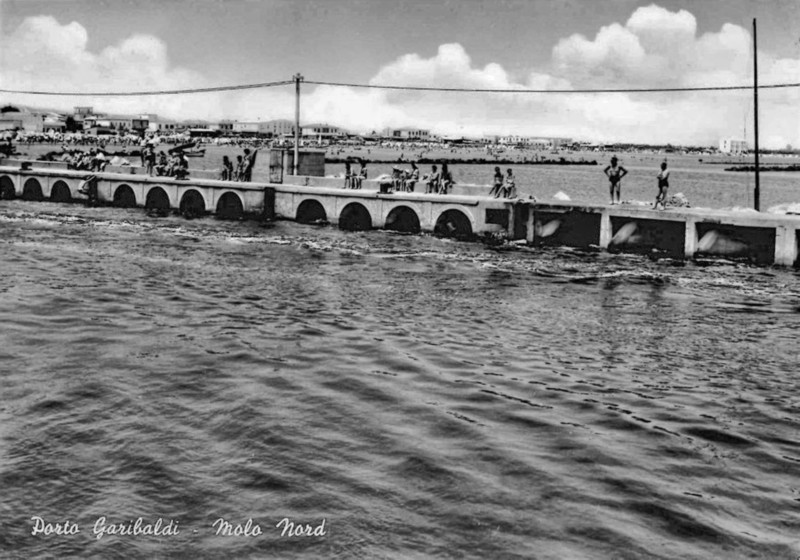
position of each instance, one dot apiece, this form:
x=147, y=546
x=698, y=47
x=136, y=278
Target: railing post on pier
x=785, y=246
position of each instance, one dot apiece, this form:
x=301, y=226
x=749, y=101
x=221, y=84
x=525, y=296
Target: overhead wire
x=392, y=87
x=152, y=92
x=523, y=90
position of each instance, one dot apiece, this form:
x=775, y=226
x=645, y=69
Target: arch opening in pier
x=753, y=244
x=355, y=217
x=403, y=219
x=32, y=190
x=572, y=228
x=453, y=223
x=60, y=192
x=192, y=204
x=7, y=190
x=311, y=212
x=124, y=197
x=157, y=201
x=650, y=237
x=230, y=207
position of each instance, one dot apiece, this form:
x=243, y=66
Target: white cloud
x=653, y=48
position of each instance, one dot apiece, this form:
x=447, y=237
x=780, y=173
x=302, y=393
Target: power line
x=157, y=92
x=392, y=87
x=614, y=90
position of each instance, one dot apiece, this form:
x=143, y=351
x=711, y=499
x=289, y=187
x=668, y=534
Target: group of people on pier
x=175, y=165
x=436, y=182
x=243, y=171
x=505, y=187
x=93, y=160
x=616, y=172
x=353, y=180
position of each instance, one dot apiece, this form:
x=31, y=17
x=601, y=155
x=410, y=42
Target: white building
x=321, y=131
x=277, y=128
x=407, y=133
x=732, y=146
x=245, y=127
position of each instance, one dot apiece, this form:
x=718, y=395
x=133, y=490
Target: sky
x=137, y=45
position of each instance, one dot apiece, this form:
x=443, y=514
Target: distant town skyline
x=77, y=45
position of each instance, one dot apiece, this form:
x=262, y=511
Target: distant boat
x=195, y=153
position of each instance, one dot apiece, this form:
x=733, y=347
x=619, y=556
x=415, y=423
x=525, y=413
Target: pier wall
x=677, y=232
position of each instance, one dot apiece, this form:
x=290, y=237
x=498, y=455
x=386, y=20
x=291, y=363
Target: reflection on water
x=427, y=398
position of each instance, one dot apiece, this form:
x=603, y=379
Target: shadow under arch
x=453, y=223
x=355, y=217
x=403, y=219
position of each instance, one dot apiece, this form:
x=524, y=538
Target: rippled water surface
x=426, y=398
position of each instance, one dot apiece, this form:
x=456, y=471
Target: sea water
x=381, y=395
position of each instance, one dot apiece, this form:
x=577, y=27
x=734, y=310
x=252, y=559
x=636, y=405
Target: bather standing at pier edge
x=615, y=173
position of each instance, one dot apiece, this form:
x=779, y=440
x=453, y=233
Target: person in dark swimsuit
x=615, y=173
x=663, y=185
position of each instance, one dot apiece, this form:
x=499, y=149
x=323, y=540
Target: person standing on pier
x=238, y=171
x=348, y=176
x=663, y=185
x=249, y=163
x=497, y=186
x=227, y=169
x=615, y=173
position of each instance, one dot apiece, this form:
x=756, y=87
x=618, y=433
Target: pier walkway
x=676, y=232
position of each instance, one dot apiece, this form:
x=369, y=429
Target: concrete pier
x=675, y=232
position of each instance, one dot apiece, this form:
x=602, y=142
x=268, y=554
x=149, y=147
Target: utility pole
x=757, y=193
x=296, y=165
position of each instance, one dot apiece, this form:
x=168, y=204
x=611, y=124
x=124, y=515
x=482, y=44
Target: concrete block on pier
x=690, y=239
x=785, y=246
x=605, y=230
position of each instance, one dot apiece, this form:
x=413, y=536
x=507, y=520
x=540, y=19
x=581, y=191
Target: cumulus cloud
x=653, y=48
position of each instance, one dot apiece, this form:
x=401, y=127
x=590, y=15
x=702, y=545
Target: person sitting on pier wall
x=361, y=177
x=99, y=160
x=398, y=179
x=510, y=185
x=432, y=185
x=413, y=177
x=446, y=180
x=663, y=185
x=615, y=173
x=182, y=171
x=163, y=166
x=497, y=185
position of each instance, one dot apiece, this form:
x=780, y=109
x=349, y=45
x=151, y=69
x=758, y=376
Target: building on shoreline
x=322, y=131
x=733, y=146
x=540, y=143
x=407, y=134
